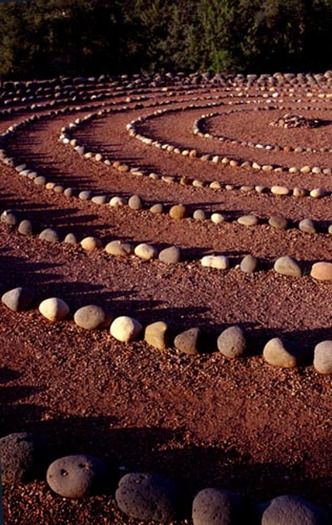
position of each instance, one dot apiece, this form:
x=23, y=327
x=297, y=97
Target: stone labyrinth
x=166, y=277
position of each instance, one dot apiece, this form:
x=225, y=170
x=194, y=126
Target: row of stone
x=232, y=342
x=146, y=496
x=200, y=125
x=225, y=160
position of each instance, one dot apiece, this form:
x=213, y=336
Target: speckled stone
x=18, y=457
x=219, y=507
x=292, y=510
x=18, y=299
x=232, y=342
x=189, y=341
x=148, y=497
x=76, y=476
x=126, y=329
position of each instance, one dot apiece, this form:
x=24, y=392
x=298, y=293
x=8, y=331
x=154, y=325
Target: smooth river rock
x=126, y=329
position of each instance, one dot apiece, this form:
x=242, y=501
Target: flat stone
x=49, y=235
x=119, y=248
x=126, y=329
x=217, y=218
x=99, y=199
x=292, y=510
x=90, y=243
x=54, y=309
x=90, y=317
x=322, y=271
x=135, y=202
x=18, y=299
x=145, y=251
x=157, y=335
x=9, y=217
x=281, y=353
x=220, y=262
x=287, y=266
x=218, y=507
x=323, y=357
x=199, y=215
x=171, y=255
x=148, y=497
x=232, y=342
x=307, y=226
x=249, y=264
x=178, y=211
x=157, y=208
x=76, y=476
x=189, y=341
x=18, y=457
x=248, y=220
x=26, y=227
x=280, y=190
x=278, y=222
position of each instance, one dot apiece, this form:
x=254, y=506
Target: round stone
x=323, y=357
x=90, y=317
x=199, y=215
x=40, y=180
x=135, y=202
x=26, y=227
x=119, y=248
x=220, y=262
x=217, y=218
x=145, y=251
x=281, y=353
x=70, y=239
x=157, y=335
x=116, y=202
x=91, y=243
x=157, y=208
x=248, y=220
x=278, y=222
x=322, y=271
x=126, y=329
x=18, y=455
x=178, y=211
x=85, y=195
x=218, y=507
x=69, y=192
x=18, y=299
x=189, y=341
x=307, y=226
x=76, y=476
x=148, y=497
x=171, y=255
x=249, y=264
x=49, y=235
x=232, y=342
x=292, y=510
x=9, y=217
x=54, y=309
x=287, y=266
x=317, y=193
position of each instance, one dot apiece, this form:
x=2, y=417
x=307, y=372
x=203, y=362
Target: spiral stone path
x=169, y=162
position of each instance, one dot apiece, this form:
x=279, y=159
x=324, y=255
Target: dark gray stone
x=148, y=497
x=90, y=317
x=219, y=507
x=292, y=510
x=17, y=457
x=49, y=235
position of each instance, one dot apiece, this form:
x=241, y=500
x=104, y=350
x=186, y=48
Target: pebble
x=9, y=217
x=287, y=266
x=69, y=192
x=281, y=353
x=116, y=202
x=322, y=271
x=217, y=218
x=18, y=454
x=249, y=264
x=248, y=220
x=215, y=185
x=40, y=180
x=157, y=208
x=135, y=202
x=148, y=497
x=49, y=235
x=157, y=335
x=85, y=195
x=299, y=192
x=199, y=215
x=76, y=476
x=278, y=222
x=90, y=317
x=317, y=193
x=119, y=248
x=26, y=227
x=232, y=342
x=323, y=357
x=99, y=199
x=58, y=189
x=54, y=309
x=189, y=341
x=178, y=211
x=125, y=329
x=145, y=251
x=280, y=190
x=292, y=510
x=307, y=226
x=220, y=262
x=171, y=255
x=70, y=238
x=90, y=243
x=18, y=299
x=213, y=506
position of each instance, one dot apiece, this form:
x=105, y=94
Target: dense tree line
x=49, y=37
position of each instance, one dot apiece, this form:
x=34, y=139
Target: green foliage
x=39, y=38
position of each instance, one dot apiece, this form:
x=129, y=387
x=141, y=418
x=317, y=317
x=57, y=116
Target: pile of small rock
x=289, y=121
